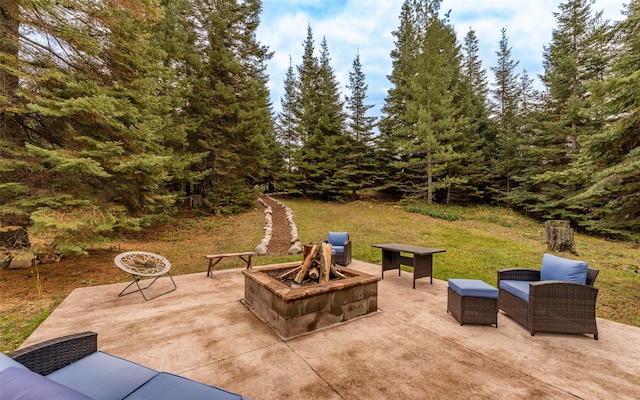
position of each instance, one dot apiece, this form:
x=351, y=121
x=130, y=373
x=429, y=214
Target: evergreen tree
x=429, y=103
x=325, y=145
x=308, y=85
x=394, y=108
x=505, y=95
x=473, y=71
x=362, y=169
x=287, y=128
x=9, y=48
x=230, y=98
x=480, y=133
x=568, y=68
x=93, y=148
x=611, y=157
x=528, y=127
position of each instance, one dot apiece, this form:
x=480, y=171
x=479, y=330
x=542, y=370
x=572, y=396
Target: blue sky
x=365, y=26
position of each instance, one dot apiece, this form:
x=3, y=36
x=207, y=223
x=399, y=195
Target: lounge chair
x=559, y=297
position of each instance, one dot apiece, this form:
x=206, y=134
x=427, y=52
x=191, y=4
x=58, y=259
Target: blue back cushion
x=338, y=238
x=556, y=268
x=20, y=383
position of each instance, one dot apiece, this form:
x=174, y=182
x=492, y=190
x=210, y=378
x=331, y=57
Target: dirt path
x=281, y=234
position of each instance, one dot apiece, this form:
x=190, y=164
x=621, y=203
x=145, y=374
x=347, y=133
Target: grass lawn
x=478, y=244
x=480, y=241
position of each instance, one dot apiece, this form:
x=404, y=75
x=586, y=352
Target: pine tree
x=308, y=85
x=287, y=123
x=361, y=166
x=480, y=133
x=94, y=148
x=9, y=49
x=394, y=108
x=611, y=157
x=505, y=94
x=429, y=117
x=568, y=68
x=230, y=99
x=322, y=157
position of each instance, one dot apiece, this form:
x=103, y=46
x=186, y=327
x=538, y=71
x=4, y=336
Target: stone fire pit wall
x=295, y=311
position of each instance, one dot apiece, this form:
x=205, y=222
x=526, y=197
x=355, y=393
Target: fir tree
x=325, y=146
x=429, y=104
x=230, y=99
x=479, y=134
x=93, y=149
x=287, y=122
x=394, y=108
x=505, y=94
x=611, y=157
x=361, y=161
x=568, y=68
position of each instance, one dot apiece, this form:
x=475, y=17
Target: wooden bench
x=214, y=259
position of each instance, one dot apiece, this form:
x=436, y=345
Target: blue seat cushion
x=20, y=383
x=337, y=249
x=168, y=386
x=556, y=268
x=103, y=376
x=517, y=288
x=473, y=288
x=338, y=238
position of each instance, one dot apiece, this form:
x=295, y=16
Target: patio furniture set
x=558, y=298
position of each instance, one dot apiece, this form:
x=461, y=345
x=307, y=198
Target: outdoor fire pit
x=292, y=309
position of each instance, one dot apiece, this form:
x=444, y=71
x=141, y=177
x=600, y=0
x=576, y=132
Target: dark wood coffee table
x=422, y=260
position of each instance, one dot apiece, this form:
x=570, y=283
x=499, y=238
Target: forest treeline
x=113, y=114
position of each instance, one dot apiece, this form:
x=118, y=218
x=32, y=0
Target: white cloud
x=365, y=26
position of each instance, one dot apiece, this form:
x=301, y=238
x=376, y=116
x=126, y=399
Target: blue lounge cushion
x=6, y=362
x=18, y=383
x=517, y=288
x=473, y=288
x=103, y=376
x=168, y=386
x=338, y=238
x=556, y=268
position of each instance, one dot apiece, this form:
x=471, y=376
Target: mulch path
x=281, y=235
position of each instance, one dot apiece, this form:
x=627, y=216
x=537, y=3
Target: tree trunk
x=559, y=235
x=8, y=81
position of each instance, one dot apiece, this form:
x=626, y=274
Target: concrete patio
x=410, y=349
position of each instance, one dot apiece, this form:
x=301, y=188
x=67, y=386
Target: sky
x=365, y=27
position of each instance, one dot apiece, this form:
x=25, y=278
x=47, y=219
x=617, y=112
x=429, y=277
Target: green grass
x=478, y=242
x=16, y=329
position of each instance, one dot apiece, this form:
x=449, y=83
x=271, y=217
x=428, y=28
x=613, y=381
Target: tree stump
x=559, y=235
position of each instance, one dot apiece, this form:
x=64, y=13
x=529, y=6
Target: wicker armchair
x=552, y=305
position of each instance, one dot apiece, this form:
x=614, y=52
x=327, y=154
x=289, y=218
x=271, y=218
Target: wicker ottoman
x=472, y=301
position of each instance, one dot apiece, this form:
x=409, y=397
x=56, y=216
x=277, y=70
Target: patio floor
x=410, y=349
